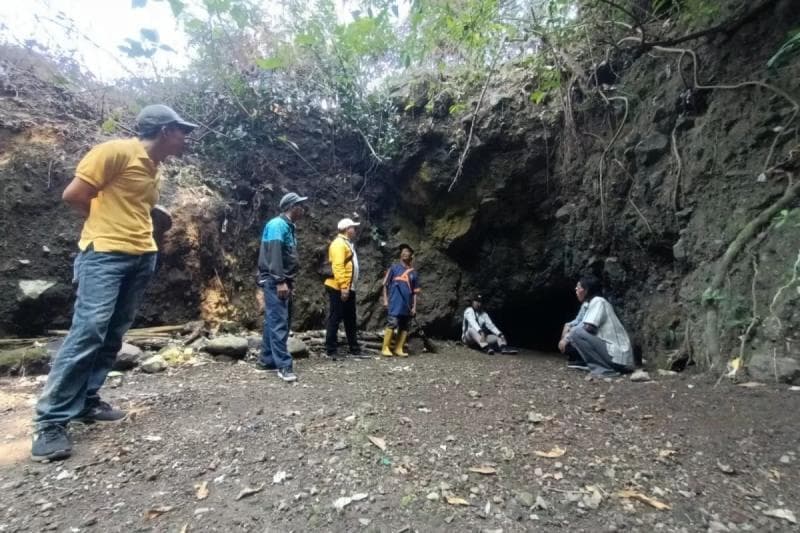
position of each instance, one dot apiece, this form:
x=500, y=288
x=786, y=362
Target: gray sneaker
x=287, y=375
x=101, y=412
x=51, y=443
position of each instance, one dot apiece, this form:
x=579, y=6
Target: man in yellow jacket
x=341, y=288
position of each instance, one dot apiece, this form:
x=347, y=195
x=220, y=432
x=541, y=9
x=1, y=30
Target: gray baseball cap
x=156, y=116
x=290, y=199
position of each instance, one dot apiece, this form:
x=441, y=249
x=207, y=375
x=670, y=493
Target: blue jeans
x=110, y=287
x=277, y=315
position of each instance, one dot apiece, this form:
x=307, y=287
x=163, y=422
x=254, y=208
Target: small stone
x=364, y=521
x=717, y=527
x=128, y=357
x=227, y=345
x=679, y=250
x=535, y=418
x=565, y=211
x=651, y=149
x=525, y=498
x=297, y=348
x=543, y=504
x=433, y=496
x=640, y=376
x=785, y=459
x=763, y=366
x=33, y=289
x=154, y=364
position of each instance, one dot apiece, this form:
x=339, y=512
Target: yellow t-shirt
x=127, y=182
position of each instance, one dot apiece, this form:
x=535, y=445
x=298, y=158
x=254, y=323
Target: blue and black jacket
x=277, y=257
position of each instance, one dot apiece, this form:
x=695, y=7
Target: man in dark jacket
x=277, y=269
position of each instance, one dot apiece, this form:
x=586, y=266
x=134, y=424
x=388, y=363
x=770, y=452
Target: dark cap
x=290, y=199
x=156, y=116
x=477, y=298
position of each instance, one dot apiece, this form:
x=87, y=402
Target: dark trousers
x=277, y=320
x=341, y=310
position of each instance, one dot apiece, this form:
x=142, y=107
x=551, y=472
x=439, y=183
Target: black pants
x=341, y=310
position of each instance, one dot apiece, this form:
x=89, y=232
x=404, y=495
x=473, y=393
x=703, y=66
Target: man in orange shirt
x=115, y=187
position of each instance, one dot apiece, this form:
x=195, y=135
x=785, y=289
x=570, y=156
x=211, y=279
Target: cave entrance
x=534, y=320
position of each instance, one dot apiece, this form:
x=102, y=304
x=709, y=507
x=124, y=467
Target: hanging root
x=712, y=347
x=676, y=189
x=600, y=179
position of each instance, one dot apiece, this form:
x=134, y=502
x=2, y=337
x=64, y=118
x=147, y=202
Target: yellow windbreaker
x=340, y=256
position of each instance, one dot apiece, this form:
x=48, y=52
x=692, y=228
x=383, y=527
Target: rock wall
x=648, y=190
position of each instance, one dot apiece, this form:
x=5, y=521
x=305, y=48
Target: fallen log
x=151, y=331
x=11, y=341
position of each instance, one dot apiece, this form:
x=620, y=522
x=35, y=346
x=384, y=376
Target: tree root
x=780, y=92
x=676, y=189
x=630, y=200
x=729, y=27
x=464, y=153
x=607, y=149
x=754, y=313
x=792, y=281
x=712, y=343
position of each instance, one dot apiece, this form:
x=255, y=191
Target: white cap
x=346, y=223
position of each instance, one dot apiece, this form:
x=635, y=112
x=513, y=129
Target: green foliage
x=146, y=47
x=691, y=11
x=711, y=296
x=109, y=126
x=785, y=216
x=457, y=108
x=788, y=50
x=453, y=32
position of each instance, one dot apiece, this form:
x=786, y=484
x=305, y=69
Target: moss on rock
x=28, y=360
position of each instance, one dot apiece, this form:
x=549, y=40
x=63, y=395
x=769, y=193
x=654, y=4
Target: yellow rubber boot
x=401, y=340
x=387, y=341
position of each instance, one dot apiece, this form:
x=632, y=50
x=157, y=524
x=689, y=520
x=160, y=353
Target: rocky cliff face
x=646, y=183
x=649, y=185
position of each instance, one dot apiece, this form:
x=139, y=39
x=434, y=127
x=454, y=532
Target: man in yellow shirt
x=115, y=187
x=341, y=289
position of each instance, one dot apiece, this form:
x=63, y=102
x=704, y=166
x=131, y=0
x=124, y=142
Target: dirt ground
x=199, y=437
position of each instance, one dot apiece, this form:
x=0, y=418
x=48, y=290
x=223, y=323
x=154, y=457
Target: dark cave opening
x=534, y=320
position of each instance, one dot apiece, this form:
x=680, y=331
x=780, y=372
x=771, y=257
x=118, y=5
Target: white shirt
x=352, y=247
x=477, y=321
x=610, y=330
